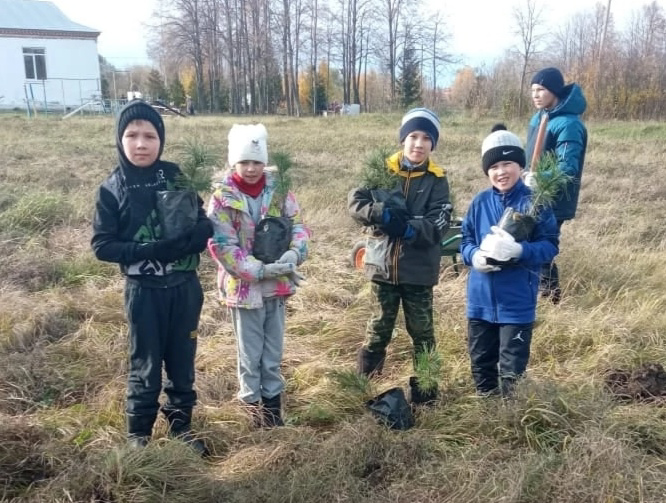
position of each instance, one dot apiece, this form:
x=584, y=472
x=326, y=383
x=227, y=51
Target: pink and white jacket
x=238, y=271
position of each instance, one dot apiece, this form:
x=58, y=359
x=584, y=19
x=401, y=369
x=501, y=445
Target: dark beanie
x=501, y=145
x=550, y=78
x=420, y=119
x=138, y=110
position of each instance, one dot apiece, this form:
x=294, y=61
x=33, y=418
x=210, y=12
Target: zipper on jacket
x=398, y=241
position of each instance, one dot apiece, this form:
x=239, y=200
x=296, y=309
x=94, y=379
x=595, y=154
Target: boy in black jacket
x=410, y=226
x=163, y=296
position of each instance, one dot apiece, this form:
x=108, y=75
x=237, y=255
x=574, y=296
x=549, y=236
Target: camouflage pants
x=417, y=306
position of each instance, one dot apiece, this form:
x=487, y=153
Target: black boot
x=272, y=411
x=417, y=396
x=370, y=363
x=180, y=427
x=139, y=429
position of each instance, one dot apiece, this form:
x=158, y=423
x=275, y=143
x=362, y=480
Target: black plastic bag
x=178, y=211
x=391, y=408
x=519, y=225
x=272, y=238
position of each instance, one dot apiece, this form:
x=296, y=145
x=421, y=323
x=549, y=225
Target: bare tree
x=528, y=23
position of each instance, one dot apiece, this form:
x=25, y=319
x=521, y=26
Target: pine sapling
x=427, y=367
x=550, y=180
x=197, y=164
x=375, y=173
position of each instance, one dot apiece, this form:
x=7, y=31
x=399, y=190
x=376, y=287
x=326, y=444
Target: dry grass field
x=562, y=439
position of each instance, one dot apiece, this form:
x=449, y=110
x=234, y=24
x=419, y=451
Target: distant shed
x=46, y=59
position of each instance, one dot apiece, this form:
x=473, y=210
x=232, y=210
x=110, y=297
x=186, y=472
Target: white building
x=46, y=60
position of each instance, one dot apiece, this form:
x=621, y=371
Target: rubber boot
x=180, y=427
x=139, y=429
x=419, y=397
x=370, y=363
x=272, y=412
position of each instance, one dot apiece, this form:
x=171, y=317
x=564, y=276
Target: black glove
x=199, y=236
x=170, y=250
x=166, y=250
x=394, y=222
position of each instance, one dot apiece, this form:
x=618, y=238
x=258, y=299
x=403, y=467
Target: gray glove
x=272, y=271
x=276, y=269
x=288, y=257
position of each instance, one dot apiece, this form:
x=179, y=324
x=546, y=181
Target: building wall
x=72, y=71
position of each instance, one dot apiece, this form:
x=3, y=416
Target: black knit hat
x=420, y=119
x=550, y=78
x=138, y=110
x=501, y=145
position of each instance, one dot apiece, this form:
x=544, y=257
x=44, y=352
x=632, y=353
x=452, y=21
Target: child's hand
x=275, y=270
x=500, y=245
x=394, y=222
x=530, y=180
x=288, y=257
x=170, y=250
x=199, y=235
x=480, y=264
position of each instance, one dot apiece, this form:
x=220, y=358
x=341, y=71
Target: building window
x=34, y=59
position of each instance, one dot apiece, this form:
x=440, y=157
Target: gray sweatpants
x=259, y=341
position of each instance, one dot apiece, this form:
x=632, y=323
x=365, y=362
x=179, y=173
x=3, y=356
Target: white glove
x=479, y=263
x=288, y=257
x=500, y=245
x=530, y=180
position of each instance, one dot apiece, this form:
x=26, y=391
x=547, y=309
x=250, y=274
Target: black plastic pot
x=177, y=211
x=272, y=238
x=519, y=225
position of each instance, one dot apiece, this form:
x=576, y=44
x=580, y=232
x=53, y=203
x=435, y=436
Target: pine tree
x=177, y=91
x=410, y=79
x=155, y=85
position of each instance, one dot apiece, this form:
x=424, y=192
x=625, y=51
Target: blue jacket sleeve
x=468, y=244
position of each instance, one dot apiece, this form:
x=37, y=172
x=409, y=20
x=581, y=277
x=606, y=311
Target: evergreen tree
x=410, y=78
x=177, y=91
x=106, y=70
x=155, y=85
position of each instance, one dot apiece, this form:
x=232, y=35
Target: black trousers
x=549, y=279
x=496, y=351
x=162, y=328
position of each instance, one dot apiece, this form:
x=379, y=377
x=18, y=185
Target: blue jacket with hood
x=508, y=295
x=567, y=138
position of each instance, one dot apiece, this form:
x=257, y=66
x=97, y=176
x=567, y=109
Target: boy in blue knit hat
x=412, y=232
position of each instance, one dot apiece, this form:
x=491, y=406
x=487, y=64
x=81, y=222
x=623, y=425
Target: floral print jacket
x=238, y=271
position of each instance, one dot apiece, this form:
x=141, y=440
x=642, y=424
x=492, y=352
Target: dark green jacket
x=414, y=260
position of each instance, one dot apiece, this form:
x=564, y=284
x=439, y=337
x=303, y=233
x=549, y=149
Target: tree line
x=303, y=56
x=621, y=71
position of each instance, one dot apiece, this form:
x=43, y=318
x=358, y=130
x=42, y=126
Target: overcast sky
x=481, y=29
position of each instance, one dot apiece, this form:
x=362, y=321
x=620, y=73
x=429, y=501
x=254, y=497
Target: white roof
x=36, y=15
